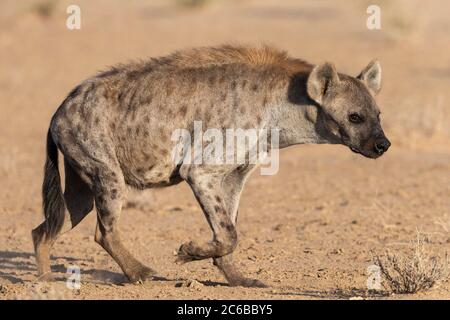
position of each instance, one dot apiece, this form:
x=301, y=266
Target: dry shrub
x=414, y=271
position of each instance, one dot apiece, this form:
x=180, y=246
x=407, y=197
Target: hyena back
x=115, y=130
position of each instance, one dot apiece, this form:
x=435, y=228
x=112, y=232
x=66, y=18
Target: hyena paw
x=248, y=283
x=185, y=253
x=141, y=274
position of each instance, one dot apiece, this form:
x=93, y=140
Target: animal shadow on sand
x=335, y=294
x=14, y=264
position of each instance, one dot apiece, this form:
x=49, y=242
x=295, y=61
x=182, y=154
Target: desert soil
x=311, y=230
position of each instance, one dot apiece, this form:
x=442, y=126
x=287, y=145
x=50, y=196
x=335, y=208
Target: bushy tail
x=52, y=195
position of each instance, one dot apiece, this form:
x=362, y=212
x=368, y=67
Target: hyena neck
x=300, y=124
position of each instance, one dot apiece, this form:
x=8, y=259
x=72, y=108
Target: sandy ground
x=309, y=231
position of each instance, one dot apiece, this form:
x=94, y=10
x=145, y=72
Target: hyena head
x=347, y=108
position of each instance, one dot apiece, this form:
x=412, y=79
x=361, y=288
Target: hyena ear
x=320, y=80
x=371, y=76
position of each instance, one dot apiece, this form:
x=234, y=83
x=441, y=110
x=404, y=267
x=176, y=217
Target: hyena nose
x=382, y=145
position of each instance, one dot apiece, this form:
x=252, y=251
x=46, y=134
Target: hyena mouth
x=364, y=153
x=345, y=140
x=355, y=150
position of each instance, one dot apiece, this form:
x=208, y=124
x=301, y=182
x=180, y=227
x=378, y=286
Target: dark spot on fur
x=211, y=79
x=244, y=84
x=218, y=199
x=183, y=110
x=114, y=194
x=101, y=199
x=155, y=148
x=233, y=85
x=146, y=99
x=147, y=157
x=255, y=87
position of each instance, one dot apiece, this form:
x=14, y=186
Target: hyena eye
x=355, y=118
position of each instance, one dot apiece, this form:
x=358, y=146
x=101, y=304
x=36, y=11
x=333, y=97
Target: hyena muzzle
x=114, y=130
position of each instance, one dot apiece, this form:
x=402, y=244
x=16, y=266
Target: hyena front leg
x=218, y=195
x=232, y=187
x=109, y=192
x=205, y=184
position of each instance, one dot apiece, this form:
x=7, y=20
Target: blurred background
x=326, y=209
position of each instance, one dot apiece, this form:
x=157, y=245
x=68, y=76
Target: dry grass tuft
x=415, y=271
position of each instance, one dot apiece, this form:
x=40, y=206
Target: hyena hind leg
x=108, y=200
x=79, y=201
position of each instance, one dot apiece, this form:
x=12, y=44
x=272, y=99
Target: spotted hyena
x=114, y=130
